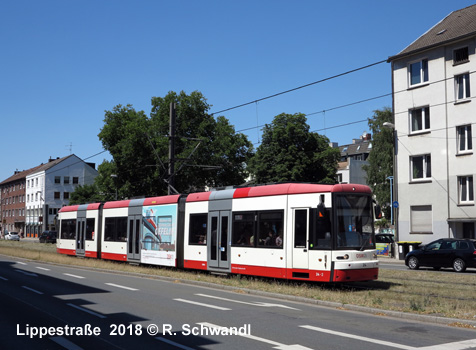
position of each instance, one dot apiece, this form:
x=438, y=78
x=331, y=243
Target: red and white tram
x=307, y=232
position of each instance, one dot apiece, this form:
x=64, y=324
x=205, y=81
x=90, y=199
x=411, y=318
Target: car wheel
x=413, y=263
x=459, y=265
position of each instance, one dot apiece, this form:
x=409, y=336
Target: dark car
x=446, y=252
x=48, y=237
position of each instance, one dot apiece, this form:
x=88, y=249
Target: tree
x=209, y=152
x=85, y=194
x=124, y=136
x=290, y=152
x=380, y=159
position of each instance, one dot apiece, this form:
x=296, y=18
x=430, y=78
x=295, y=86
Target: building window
x=75, y=180
x=57, y=179
x=462, y=89
x=421, y=219
x=420, y=167
x=57, y=195
x=66, y=180
x=464, y=137
x=418, y=72
x=65, y=195
x=419, y=119
x=466, y=193
x=460, y=56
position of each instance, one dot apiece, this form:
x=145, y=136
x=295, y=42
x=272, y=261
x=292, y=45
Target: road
x=123, y=309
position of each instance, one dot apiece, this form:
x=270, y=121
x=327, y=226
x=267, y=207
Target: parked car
x=446, y=252
x=48, y=237
x=12, y=236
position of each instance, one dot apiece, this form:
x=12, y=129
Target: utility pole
x=171, y=148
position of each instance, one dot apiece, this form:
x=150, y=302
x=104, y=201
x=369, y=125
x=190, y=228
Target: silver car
x=12, y=236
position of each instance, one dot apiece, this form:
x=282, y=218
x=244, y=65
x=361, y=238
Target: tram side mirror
x=378, y=212
x=321, y=211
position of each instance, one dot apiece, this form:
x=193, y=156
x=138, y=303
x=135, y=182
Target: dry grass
x=447, y=295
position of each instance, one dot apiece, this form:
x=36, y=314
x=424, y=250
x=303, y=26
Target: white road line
x=32, y=290
x=247, y=303
x=3, y=278
x=86, y=310
x=21, y=263
x=460, y=345
x=42, y=268
x=177, y=345
x=70, y=275
x=358, y=337
x=201, y=304
x=27, y=273
x=119, y=286
x=65, y=343
x=275, y=344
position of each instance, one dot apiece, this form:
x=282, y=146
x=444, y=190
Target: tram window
x=270, y=233
x=116, y=229
x=300, y=228
x=244, y=229
x=198, y=229
x=320, y=237
x=90, y=229
x=68, y=229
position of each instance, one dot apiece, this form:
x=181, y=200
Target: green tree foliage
x=85, y=194
x=381, y=158
x=290, y=152
x=208, y=151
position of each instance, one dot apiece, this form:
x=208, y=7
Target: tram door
x=80, y=236
x=133, y=237
x=301, y=238
x=219, y=223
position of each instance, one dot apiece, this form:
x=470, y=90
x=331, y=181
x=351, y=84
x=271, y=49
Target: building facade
x=353, y=157
x=434, y=115
x=30, y=199
x=48, y=189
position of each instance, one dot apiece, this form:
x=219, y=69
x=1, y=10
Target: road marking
x=32, y=290
x=3, y=278
x=201, y=304
x=460, y=345
x=86, y=310
x=27, y=273
x=70, y=275
x=248, y=303
x=358, y=337
x=119, y=286
x=21, y=263
x=275, y=344
x=65, y=343
x=42, y=268
x=177, y=345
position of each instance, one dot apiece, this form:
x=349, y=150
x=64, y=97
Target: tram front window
x=354, y=222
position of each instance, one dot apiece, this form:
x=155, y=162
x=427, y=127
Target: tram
x=312, y=232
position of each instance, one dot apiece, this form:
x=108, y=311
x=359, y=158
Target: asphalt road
x=118, y=311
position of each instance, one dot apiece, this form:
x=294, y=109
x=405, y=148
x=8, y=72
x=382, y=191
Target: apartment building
x=31, y=199
x=433, y=85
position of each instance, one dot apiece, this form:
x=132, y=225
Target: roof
x=20, y=175
x=458, y=25
x=51, y=163
x=42, y=167
x=355, y=148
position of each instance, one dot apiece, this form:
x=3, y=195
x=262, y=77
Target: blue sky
x=64, y=62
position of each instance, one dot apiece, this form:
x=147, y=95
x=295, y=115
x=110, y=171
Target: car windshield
x=354, y=222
